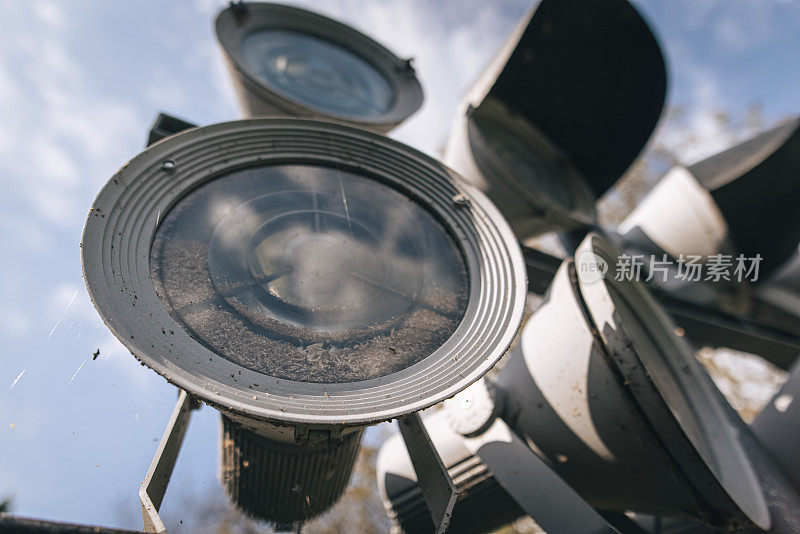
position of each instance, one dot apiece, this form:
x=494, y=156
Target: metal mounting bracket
x=434, y=479
x=155, y=483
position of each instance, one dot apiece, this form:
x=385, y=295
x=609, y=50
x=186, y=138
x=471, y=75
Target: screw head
x=168, y=165
x=460, y=200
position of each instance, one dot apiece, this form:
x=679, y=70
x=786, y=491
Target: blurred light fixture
x=602, y=387
x=778, y=426
x=742, y=200
x=292, y=62
x=678, y=216
x=307, y=279
x=781, y=288
x=560, y=113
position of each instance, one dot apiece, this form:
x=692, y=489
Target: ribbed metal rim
x=731, y=488
x=122, y=222
x=232, y=28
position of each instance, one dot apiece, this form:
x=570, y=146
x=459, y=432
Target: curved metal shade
x=670, y=387
x=591, y=77
x=756, y=186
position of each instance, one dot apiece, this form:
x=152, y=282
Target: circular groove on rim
x=232, y=28
x=149, y=201
x=146, y=203
x=116, y=251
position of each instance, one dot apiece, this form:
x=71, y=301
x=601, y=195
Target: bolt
x=460, y=200
x=168, y=165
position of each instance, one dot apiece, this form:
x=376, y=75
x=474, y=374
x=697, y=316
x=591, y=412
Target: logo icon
x=591, y=267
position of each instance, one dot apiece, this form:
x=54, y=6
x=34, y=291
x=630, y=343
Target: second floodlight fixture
x=561, y=113
x=603, y=386
x=307, y=279
x=287, y=61
x=742, y=200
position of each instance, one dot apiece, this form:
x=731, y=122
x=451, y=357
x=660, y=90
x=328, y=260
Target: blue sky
x=79, y=84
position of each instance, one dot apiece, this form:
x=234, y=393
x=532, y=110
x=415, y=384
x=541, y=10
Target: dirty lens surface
x=318, y=73
x=309, y=273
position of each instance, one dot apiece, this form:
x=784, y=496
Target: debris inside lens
x=309, y=273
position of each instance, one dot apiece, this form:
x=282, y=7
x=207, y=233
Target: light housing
x=581, y=86
x=782, y=287
x=152, y=203
x=755, y=185
x=602, y=386
x=288, y=61
x=739, y=201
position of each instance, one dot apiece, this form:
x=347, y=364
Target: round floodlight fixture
x=755, y=185
x=677, y=217
x=306, y=279
x=603, y=387
x=741, y=200
x=526, y=176
x=530, y=135
x=289, y=61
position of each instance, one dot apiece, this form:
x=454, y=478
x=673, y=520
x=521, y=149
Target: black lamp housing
x=740, y=201
x=574, y=94
x=286, y=61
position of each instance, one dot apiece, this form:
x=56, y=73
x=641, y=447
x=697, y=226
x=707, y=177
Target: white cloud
x=164, y=91
x=701, y=130
x=14, y=322
x=209, y=8
x=54, y=162
x=63, y=128
x=50, y=13
x=33, y=235
x=742, y=26
x=220, y=77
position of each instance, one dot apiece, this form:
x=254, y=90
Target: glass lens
x=317, y=73
x=309, y=273
x=525, y=161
